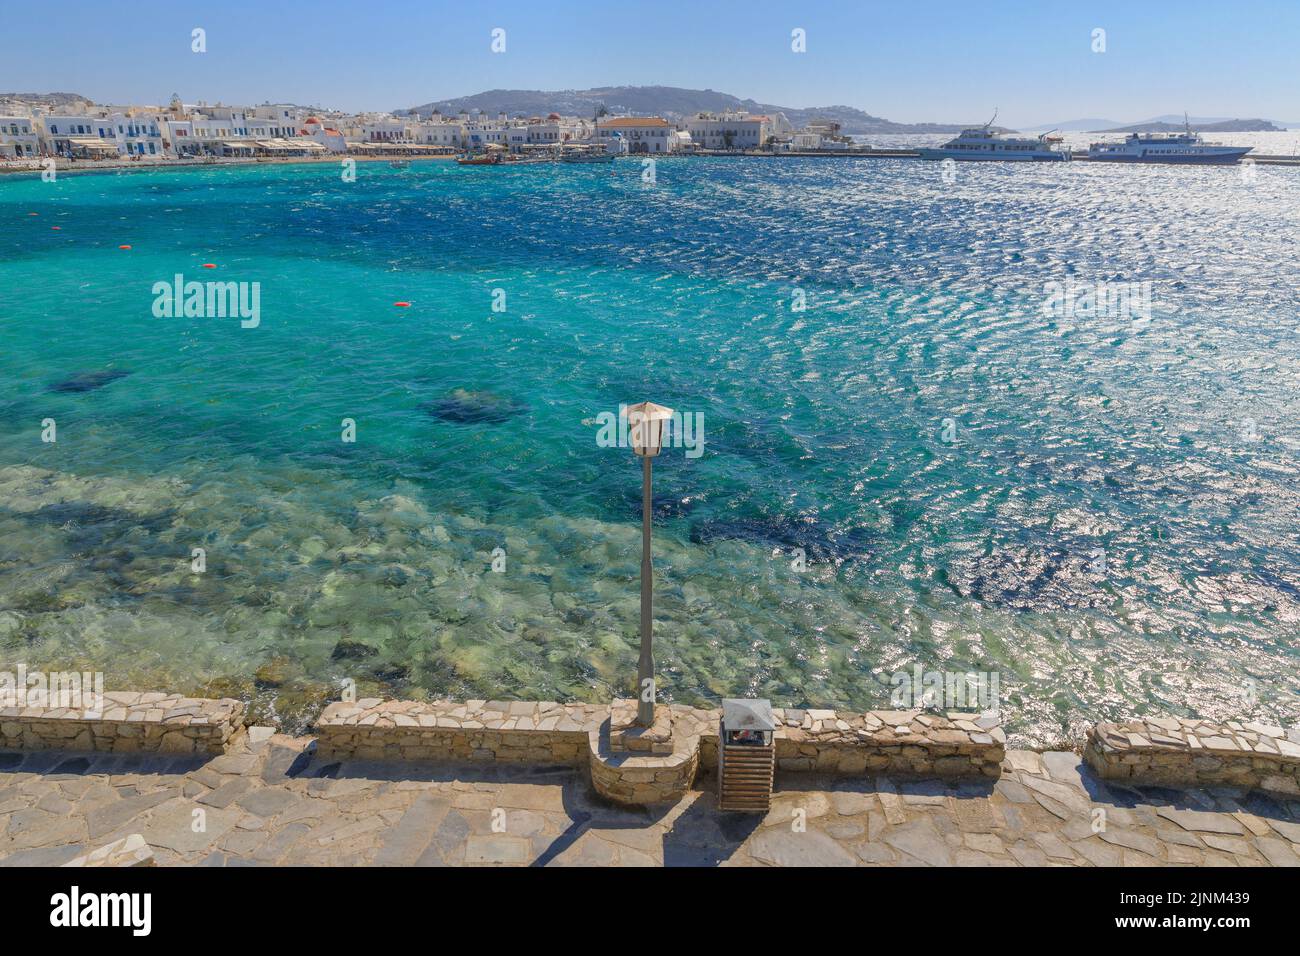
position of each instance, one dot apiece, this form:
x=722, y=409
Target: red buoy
x=56, y=227
x=402, y=305
x=209, y=265
x=124, y=247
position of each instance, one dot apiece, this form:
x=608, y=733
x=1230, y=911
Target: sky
x=917, y=61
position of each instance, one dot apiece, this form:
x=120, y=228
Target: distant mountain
x=1222, y=126
x=670, y=102
x=46, y=99
x=1164, y=124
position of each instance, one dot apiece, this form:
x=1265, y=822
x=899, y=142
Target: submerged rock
x=819, y=541
x=346, y=650
x=88, y=381
x=274, y=673
x=466, y=407
x=665, y=504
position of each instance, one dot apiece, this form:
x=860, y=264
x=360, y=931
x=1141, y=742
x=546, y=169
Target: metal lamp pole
x=647, y=427
x=645, y=668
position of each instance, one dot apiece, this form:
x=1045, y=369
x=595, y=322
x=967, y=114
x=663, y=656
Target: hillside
x=45, y=99
x=1223, y=126
x=671, y=102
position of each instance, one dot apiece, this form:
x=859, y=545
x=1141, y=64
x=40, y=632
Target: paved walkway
x=270, y=801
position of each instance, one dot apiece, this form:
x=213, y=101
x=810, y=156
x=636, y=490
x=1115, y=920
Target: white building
x=138, y=132
x=387, y=129
x=730, y=130
x=19, y=138
x=316, y=130
x=642, y=134
x=437, y=131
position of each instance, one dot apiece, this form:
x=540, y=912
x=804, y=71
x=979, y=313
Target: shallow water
x=1103, y=510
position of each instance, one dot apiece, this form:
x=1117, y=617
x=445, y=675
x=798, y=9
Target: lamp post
x=646, y=433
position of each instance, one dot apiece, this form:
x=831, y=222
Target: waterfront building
x=79, y=133
x=386, y=129
x=19, y=138
x=729, y=130
x=642, y=134
x=316, y=131
x=437, y=131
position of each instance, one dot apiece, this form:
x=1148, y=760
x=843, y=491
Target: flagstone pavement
x=272, y=801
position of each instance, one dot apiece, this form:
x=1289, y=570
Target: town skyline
x=945, y=63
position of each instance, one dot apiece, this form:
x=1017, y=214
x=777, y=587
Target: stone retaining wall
x=908, y=742
x=127, y=723
x=825, y=741
x=1172, y=751
x=515, y=731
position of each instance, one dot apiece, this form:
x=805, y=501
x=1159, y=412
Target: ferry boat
x=1184, y=148
x=981, y=143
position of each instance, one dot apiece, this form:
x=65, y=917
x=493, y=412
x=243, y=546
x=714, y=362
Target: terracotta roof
x=622, y=121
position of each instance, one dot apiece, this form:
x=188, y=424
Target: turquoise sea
x=1100, y=508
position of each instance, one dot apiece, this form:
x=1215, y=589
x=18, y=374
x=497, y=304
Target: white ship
x=1184, y=148
x=981, y=143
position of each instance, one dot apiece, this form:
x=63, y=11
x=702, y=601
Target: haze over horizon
x=941, y=62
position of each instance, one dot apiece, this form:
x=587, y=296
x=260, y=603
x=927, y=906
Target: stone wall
x=641, y=766
x=127, y=723
x=1172, y=751
x=515, y=731
x=825, y=741
x=906, y=742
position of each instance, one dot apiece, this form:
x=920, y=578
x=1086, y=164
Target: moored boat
x=492, y=155
x=586, y=154
x=1185, y=148
x=982, y=144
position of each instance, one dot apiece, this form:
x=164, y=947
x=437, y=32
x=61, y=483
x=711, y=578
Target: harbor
x=86, y=135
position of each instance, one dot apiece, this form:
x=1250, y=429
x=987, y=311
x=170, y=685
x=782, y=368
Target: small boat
x=482, y=159
x=593, y=152
x=586, y=154
x=492, y=155
x=981, y=143
x=1185, y=148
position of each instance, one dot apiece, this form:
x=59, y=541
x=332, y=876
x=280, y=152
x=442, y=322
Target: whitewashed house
x=19, y=138
x=729, y=130
x=437, y=131
x=642, y=134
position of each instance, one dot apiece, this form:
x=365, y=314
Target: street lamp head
x=646, y=427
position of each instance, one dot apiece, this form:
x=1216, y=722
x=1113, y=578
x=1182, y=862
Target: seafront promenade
x=272, y=800
x=155, y=779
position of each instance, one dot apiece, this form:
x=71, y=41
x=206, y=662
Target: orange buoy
x=209, y=265
x=124, y=247
x=402, y=305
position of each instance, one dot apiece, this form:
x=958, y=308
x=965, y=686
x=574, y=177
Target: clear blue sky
x=908, y=60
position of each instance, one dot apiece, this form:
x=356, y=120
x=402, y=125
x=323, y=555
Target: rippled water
x=1103, y=510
